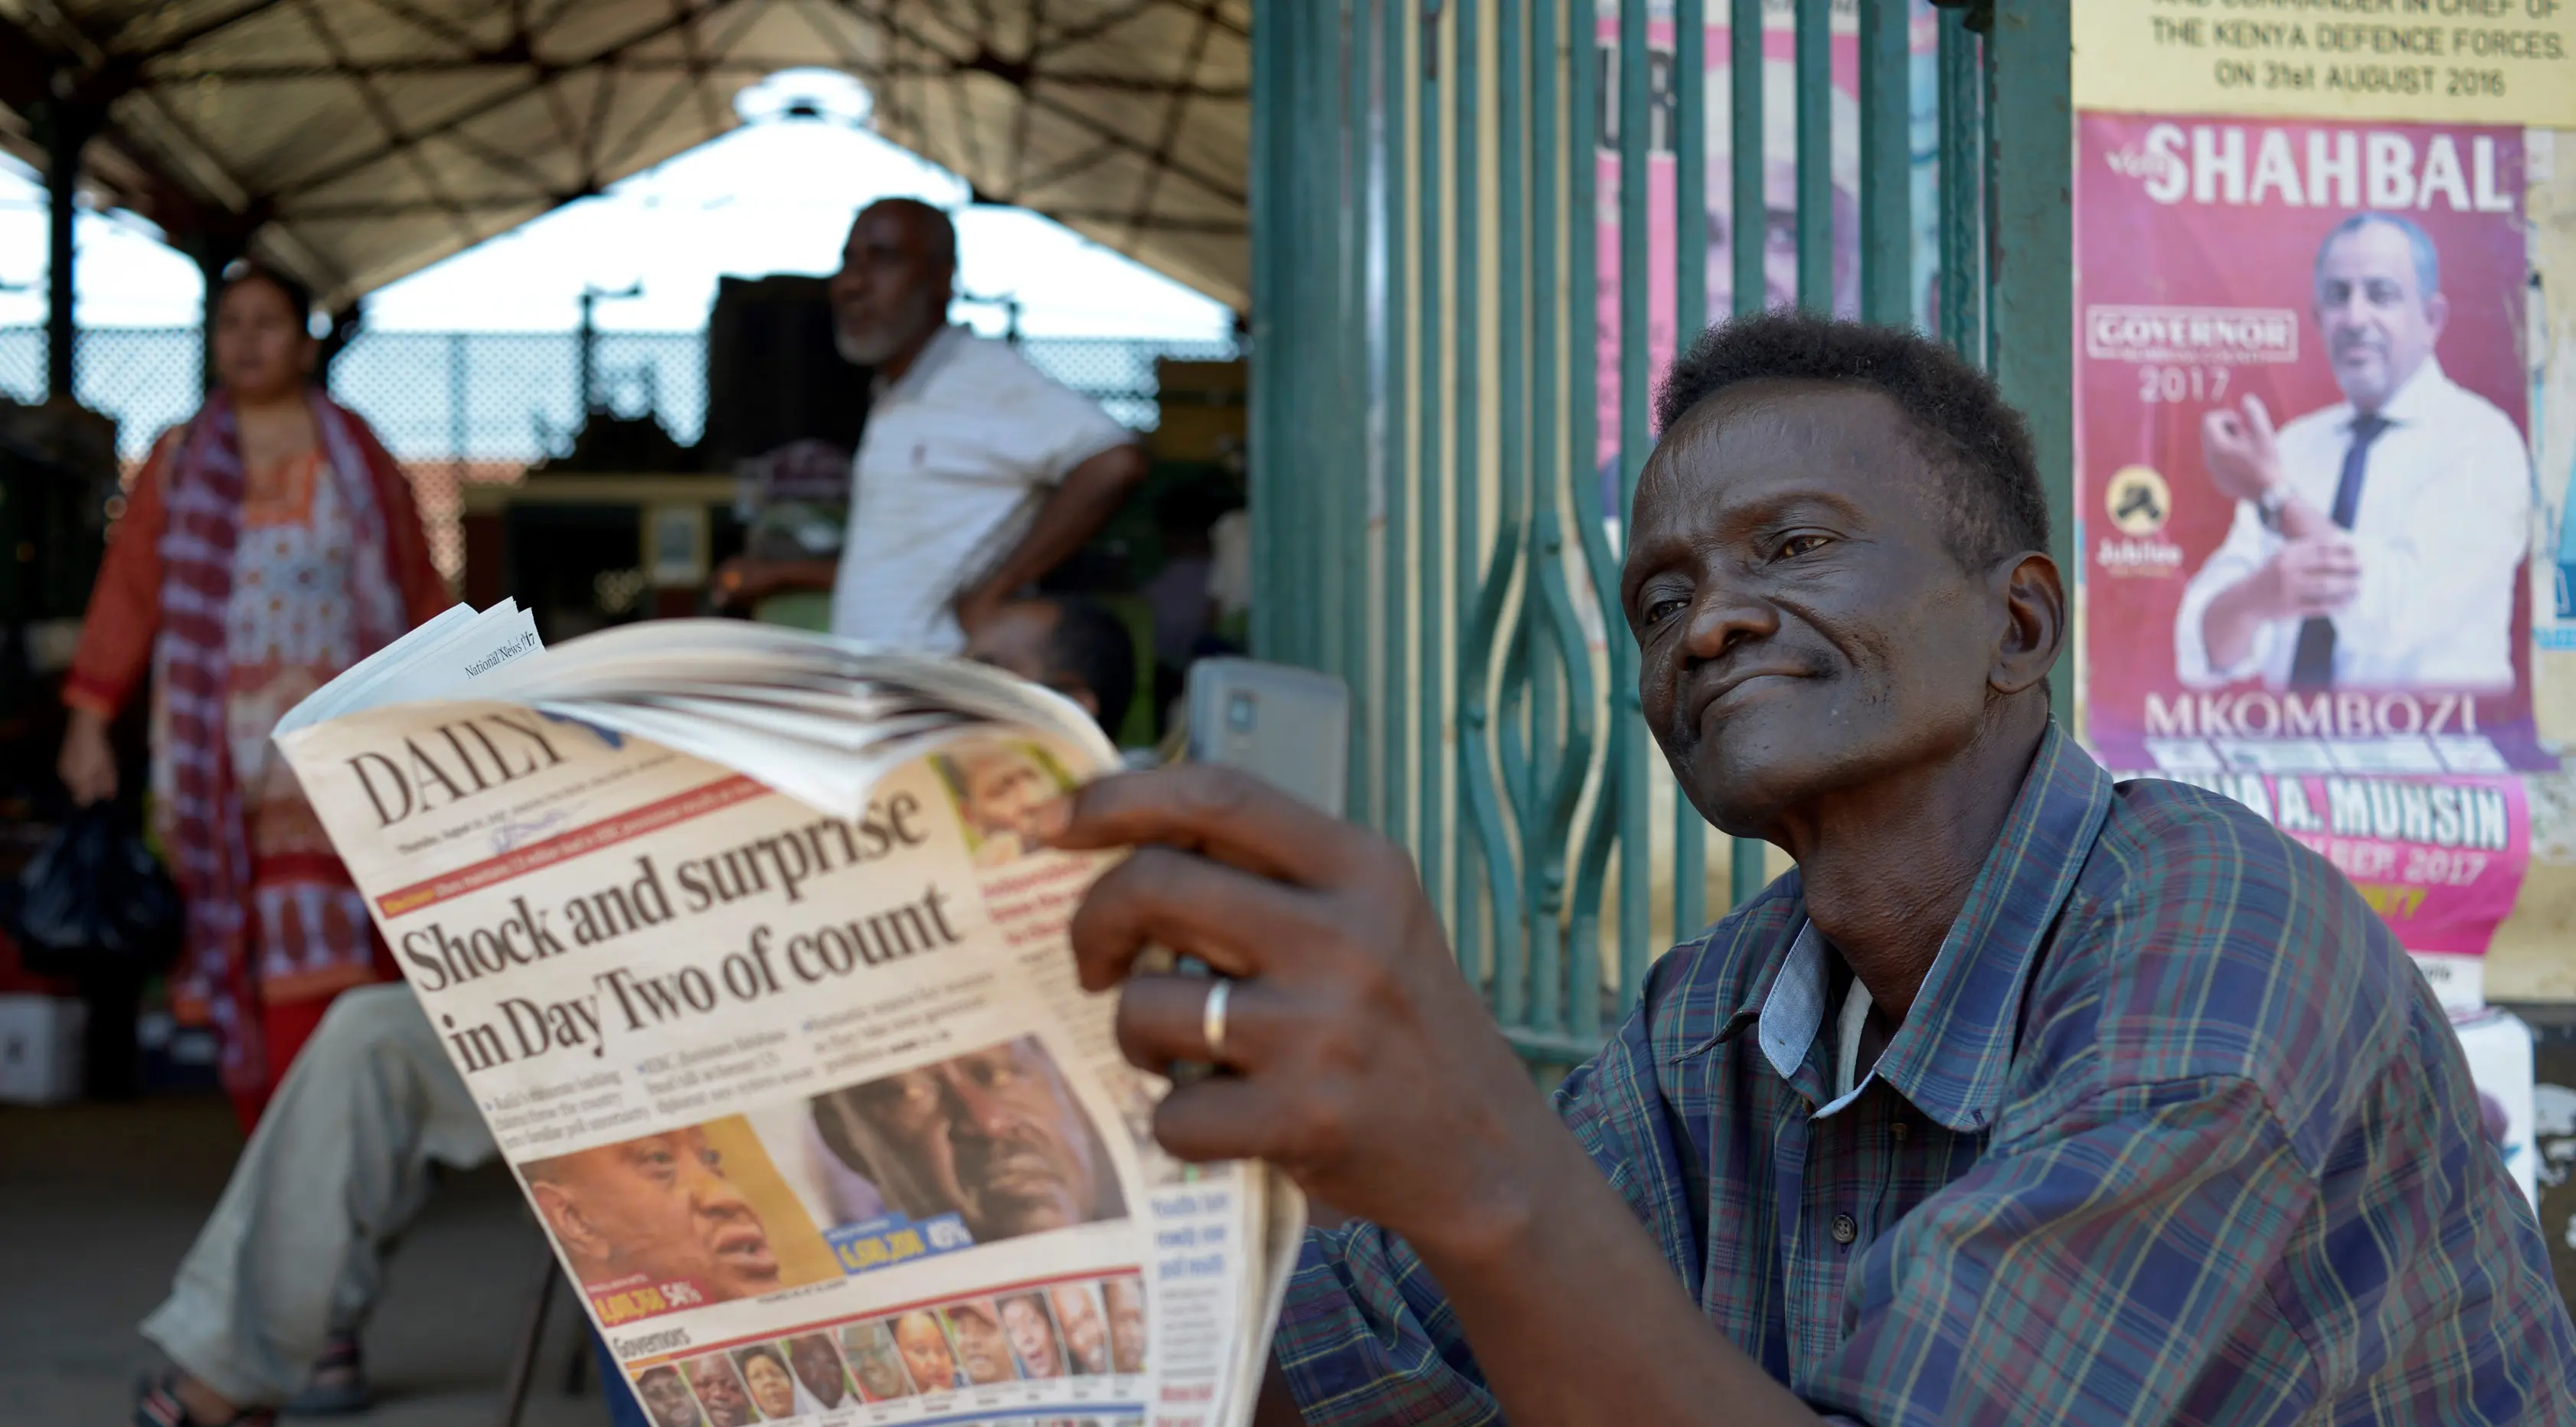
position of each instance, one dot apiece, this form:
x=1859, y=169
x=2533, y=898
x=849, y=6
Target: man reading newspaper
x=2027, y=1097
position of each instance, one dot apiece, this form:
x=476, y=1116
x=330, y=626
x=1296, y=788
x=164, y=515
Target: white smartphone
x=1290, y=727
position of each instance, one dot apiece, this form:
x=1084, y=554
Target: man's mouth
x=1726, y=690
x=746, y=1250
x=1020, y=1173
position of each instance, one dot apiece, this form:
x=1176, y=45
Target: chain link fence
x=459, y=407
x=507, y=396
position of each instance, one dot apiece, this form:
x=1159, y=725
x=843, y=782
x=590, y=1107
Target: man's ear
x=2033, y=630
x=571, y=1228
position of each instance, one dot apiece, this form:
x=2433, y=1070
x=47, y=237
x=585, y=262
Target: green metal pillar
x=2030, y=171
x=1466, y=324
x=1748, y=222
x=1350, y=439
x=1962, y=194
x=1270, y=377
x=1690, y=304
x=1629, y=753
x=1815, y=155
x=1485, y=586
x=1567, y=972
x=1431, y=851
x=1600, y=837
x=1886, y=185
x=1390, y=358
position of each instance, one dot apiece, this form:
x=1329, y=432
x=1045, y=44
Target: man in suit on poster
x=2376, y=541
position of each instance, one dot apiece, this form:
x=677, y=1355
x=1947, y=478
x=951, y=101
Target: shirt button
x=1897, y=1131
x=1844, y=1229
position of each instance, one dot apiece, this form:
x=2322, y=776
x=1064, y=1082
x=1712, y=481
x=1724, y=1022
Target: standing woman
x=268, y=544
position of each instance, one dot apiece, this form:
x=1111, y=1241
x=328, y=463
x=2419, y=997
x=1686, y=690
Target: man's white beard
x=855, y=350
x=877, y=350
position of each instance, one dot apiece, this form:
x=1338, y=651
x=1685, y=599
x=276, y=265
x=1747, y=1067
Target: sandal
x=339, y=1383
x=156, y=1404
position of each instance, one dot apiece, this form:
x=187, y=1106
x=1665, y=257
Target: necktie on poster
x=2313, y=666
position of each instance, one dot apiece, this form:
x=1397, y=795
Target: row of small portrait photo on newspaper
x=1083, y=1328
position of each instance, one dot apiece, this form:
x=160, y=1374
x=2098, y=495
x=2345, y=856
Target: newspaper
x=734, y=936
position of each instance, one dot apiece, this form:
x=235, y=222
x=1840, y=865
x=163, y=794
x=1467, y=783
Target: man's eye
x=1797, y=545
x=1658, y=611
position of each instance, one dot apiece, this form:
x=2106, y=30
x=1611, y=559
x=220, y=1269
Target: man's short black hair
x=938, y=230
x=1093, y=645
x=1961, y=424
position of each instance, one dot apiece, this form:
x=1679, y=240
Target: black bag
x=94, y=899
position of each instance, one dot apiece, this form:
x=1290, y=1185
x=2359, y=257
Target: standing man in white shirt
x=977, y=473
x=2376, y=541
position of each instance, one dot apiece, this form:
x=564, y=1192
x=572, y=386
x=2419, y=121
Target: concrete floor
x=98, y=1202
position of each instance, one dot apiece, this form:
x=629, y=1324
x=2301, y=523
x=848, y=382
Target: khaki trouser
x=340, y=1163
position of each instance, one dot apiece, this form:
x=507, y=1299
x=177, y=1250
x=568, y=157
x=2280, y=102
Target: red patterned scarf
x=210, y=851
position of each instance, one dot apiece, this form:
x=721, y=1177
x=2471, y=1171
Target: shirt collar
x=2414, y=399
x=1793, y=1011
x=1953, y=1055
x=934, y=354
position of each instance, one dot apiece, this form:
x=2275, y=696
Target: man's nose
x=712, y=1193
x=1722, y=616
x=979, y=1108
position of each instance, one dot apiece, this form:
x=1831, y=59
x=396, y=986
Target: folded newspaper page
x=734, y=934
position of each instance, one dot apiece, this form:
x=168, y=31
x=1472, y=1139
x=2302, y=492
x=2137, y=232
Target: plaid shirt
x=2174, y=1133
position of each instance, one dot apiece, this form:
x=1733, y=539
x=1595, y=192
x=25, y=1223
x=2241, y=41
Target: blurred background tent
x=357, y=141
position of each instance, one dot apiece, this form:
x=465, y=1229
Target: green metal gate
x=1430, y=522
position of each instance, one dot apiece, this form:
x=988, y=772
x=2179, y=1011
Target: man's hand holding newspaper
x=753, y=948
x=1357, y=1046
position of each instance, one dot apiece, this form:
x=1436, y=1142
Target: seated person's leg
x=340, y=1163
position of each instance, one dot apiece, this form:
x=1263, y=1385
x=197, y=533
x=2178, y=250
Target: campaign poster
x=2441, y=859
x=1776, y=228
x=2305, y=499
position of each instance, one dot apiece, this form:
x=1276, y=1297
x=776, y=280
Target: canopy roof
x=355, y=141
